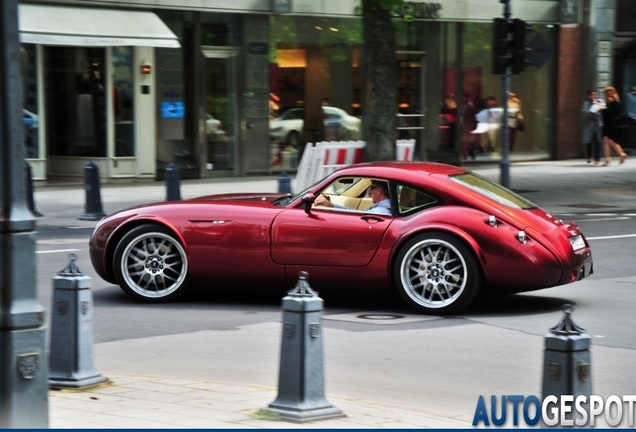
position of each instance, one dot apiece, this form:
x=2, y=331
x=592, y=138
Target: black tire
x=293, y=139
x=436, y=273
x=151, y=265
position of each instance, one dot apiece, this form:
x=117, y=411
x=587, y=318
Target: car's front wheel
x=436, y=273
x=151, y=265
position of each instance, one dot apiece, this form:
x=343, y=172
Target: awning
x=61, y=25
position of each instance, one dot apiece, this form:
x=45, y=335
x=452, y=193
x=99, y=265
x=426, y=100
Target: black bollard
x=284, y=183
x=301, y=386
x=28, y=189
x=173, y=192
x=93, y=207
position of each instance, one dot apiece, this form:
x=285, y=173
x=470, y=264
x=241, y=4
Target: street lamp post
x=23, y=360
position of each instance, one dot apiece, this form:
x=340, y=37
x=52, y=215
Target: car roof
x=386, y=168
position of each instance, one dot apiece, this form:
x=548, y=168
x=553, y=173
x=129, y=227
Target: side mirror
x=308, y=199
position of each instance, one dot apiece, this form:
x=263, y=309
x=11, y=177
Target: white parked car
x=339, y=126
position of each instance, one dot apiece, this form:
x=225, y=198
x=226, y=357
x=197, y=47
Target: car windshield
x=492, y=190
x=284, y=200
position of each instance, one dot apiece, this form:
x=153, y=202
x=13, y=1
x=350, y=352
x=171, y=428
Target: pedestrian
x=470, y=123
x=612, y=114
x=592, y=132
x=515, y=119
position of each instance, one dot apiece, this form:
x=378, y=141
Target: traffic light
x=502, y=45
x=520, y=29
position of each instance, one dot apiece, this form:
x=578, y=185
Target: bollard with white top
x=566, y=365
x=71, y=351
x=301, y=387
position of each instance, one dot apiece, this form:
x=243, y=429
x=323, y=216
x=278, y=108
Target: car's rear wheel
x=436, y=273
x=151, y=265
x=293, y=139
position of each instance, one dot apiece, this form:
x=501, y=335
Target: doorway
x=221, y=111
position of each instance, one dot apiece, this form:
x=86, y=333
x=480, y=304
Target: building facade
x=238, y=87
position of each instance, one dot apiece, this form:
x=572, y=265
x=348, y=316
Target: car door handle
x=372, y=219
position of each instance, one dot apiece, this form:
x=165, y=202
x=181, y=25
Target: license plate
x=577, y=242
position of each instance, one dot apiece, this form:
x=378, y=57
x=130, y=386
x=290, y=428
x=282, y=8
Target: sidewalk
x=167, y=402
x=169, y=396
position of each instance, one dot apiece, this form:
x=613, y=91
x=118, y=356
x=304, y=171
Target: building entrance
x=221, y=112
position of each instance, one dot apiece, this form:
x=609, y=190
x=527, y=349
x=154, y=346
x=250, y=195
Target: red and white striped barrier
x=320, y=160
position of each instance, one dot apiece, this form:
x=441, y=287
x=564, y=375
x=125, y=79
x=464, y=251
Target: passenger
x=379, y=193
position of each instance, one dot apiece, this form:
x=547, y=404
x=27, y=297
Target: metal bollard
x=28, y=189
x=93, y=207
x=71, y=347
x=173, y=192
x=566, y=365
x=284, y=183
x=301, y=389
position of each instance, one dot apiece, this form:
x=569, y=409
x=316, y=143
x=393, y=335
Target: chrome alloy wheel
x=433, y=273
x=154, y=265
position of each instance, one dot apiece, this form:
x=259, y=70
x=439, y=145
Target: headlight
x=276, y=129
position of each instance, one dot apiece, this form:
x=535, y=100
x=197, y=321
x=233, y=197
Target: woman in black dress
x=611, y=134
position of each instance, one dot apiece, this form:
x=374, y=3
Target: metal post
x=173, y=182
x=93, y=206
x=28, y=185
x=23, y=365
x=284, y=183
x=566, y=364
x=504, y=178
x=71, y=352
x=301, y=387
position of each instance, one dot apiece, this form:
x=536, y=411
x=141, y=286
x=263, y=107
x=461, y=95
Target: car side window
x=352, y=194
x=411, y=199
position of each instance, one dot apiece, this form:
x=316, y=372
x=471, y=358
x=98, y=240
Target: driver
x=378, y=192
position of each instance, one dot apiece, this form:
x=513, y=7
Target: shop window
x=314, y=84
x=480, y=97
x=75, y=101
x=122, y=64
x=30, y=116
x=220, y=29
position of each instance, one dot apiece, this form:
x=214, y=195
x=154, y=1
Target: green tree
x=380, y=89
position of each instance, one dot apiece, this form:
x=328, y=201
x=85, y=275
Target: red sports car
x=448, y=234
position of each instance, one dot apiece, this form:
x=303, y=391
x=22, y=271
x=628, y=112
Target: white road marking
x=62, y=241
x=611, y=237
x=604, y=219
x=58, y=251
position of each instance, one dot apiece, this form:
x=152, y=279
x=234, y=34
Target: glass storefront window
x=314, y=64
x=531, y=95
x=122, y=64
x=220, y=29
x=76, y=101
x=30, y=102
x=220, y=84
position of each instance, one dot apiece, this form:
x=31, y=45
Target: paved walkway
x=170, y=402
x=166, y=401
